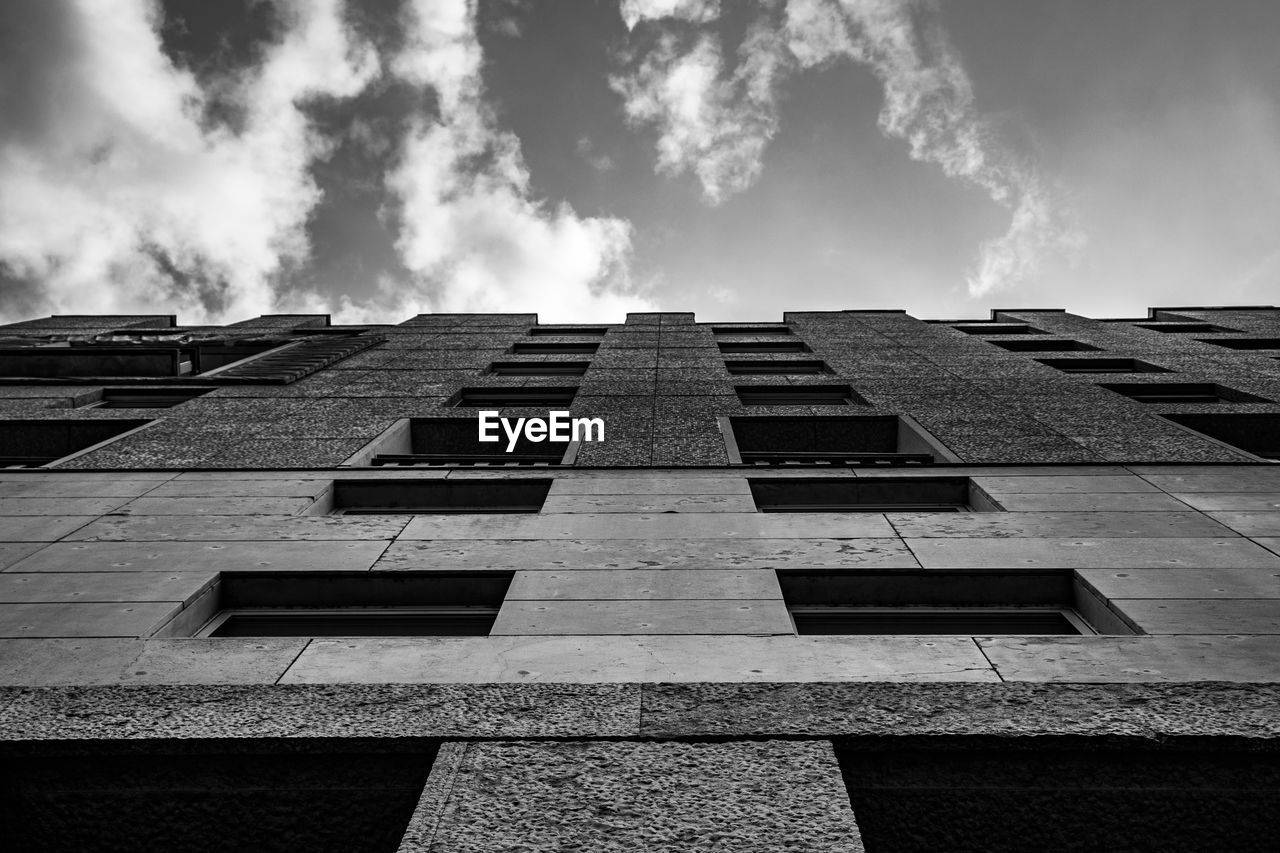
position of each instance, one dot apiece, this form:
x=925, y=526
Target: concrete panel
x=673, y=526
x=1085, y=553
x=248, y=487
x=84, y=486
x=1104, y=502
x=13, y=552
x=665, y=485
x=202, y=556
x=1135, y=659
x=1258, y=501
x=649, y=503
x=44, y=662
x=216, y=506
x=607, y=798
x=102, y=586
x=595, y=659
x=1063, y=484
x=1055, y=524
x=578, y=554
x=1202, y=616
x=159, y=528
x=1250, y=523
x=136, y=619
x=642, y=617
x=1184, y=583
x=644, y=584
x=47, y=528
x=59, y=506
x=229, y=660
x=1235, y=479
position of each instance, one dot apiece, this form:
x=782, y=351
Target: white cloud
x=115, y=198
x=472, y=235
x=694, y=11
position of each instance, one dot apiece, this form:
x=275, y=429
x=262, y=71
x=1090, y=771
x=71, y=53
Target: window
x=346, y=604
x=1258, y=434
x=146, y=397
x=736, y=347
x=798, y=395
x=839, y=441
x=569, y=331
x=37, y=443
x=433, y=442
x=1181, y=392
x=65, y=362
x=433, y=497
x=539, y=368
x=996, y=329
x=1244, y=343
x=865, y=494
x=940, y=602
x=779, y=367
x=550, y=348
x=750, y=330
x=1052, y=345
x=1182, y=328
x=497, y=397
x=1101, y=365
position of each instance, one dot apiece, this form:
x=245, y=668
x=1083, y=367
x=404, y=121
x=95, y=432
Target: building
x=850, y=579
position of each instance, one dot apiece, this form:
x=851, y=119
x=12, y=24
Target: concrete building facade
x=850, y=581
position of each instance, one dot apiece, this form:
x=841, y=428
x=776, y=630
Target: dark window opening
x=147, y=397
x=751, y=330
x=456, y=441
x=996, y=329
x=779, y=367
x=831, y=441
x=798, y=395
x=269, y=795
x=974, y=795
x=1181, y=392
x=858, y=494
x=539, y=368
x=1258, y=434
x=1244, y=343
x=1101, y=365
x=1183, y=328
x=964, y=602
x=67, y=362
x=569, y=331
x=738, y=347
x=418, y=497
x=36, y=443
x=553, y=348
x=1053, y=345
x=497, y=398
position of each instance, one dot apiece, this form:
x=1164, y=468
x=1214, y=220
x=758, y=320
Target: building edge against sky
x=852, y=580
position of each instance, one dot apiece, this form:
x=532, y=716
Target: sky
x=376, y=159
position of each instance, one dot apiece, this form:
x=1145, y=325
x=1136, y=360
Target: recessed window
x=996, y=329
x=539, y=368
x=36, y=443
x=146, y=397
x=431, y=442
x=831, y=441
x=794, y=366
x=350, y=604
x=1049, y=345
x=497, y=398
x=862, y=494
x=940, y=602
x=1258, y=434
x=433, y=497
x=553, y=348
x=1101, y=365
x=1181, y=392
x=569, y=331
x=1183, y=328
x=798, y=395
x=750, y=330
x=1244, y=343
x=739, y=347
x=69, y=362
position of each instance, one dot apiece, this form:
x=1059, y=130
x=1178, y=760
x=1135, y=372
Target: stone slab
x=241, y=505
x=648, y=503
x=62, y=619
x=202, y=556
x=528, y=618
x=59, y=506
x=593, y=659
x=102, y=586
x=14, y=552
x=1234, y=479
x=642, y=584
x=1135, y=659
x=1213, y=501
x=1103, y=501
x=648, y=526
x=46, y=528
x=102, y=486
x=628, y=796
x=1063, y=484
x=665, y=485
x=1202, y=616
x=225, y=660
x=1184, y=583
x=1250, y=523
x=160, y=528
x=245, y=487
x=1090, y=553
x=704, y=554
x=1055, y=524
x=42, y=662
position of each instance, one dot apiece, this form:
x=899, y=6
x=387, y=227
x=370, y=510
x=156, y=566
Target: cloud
x=471, y=233
x=692, y=11
x=717, y=126
x=116, y=195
